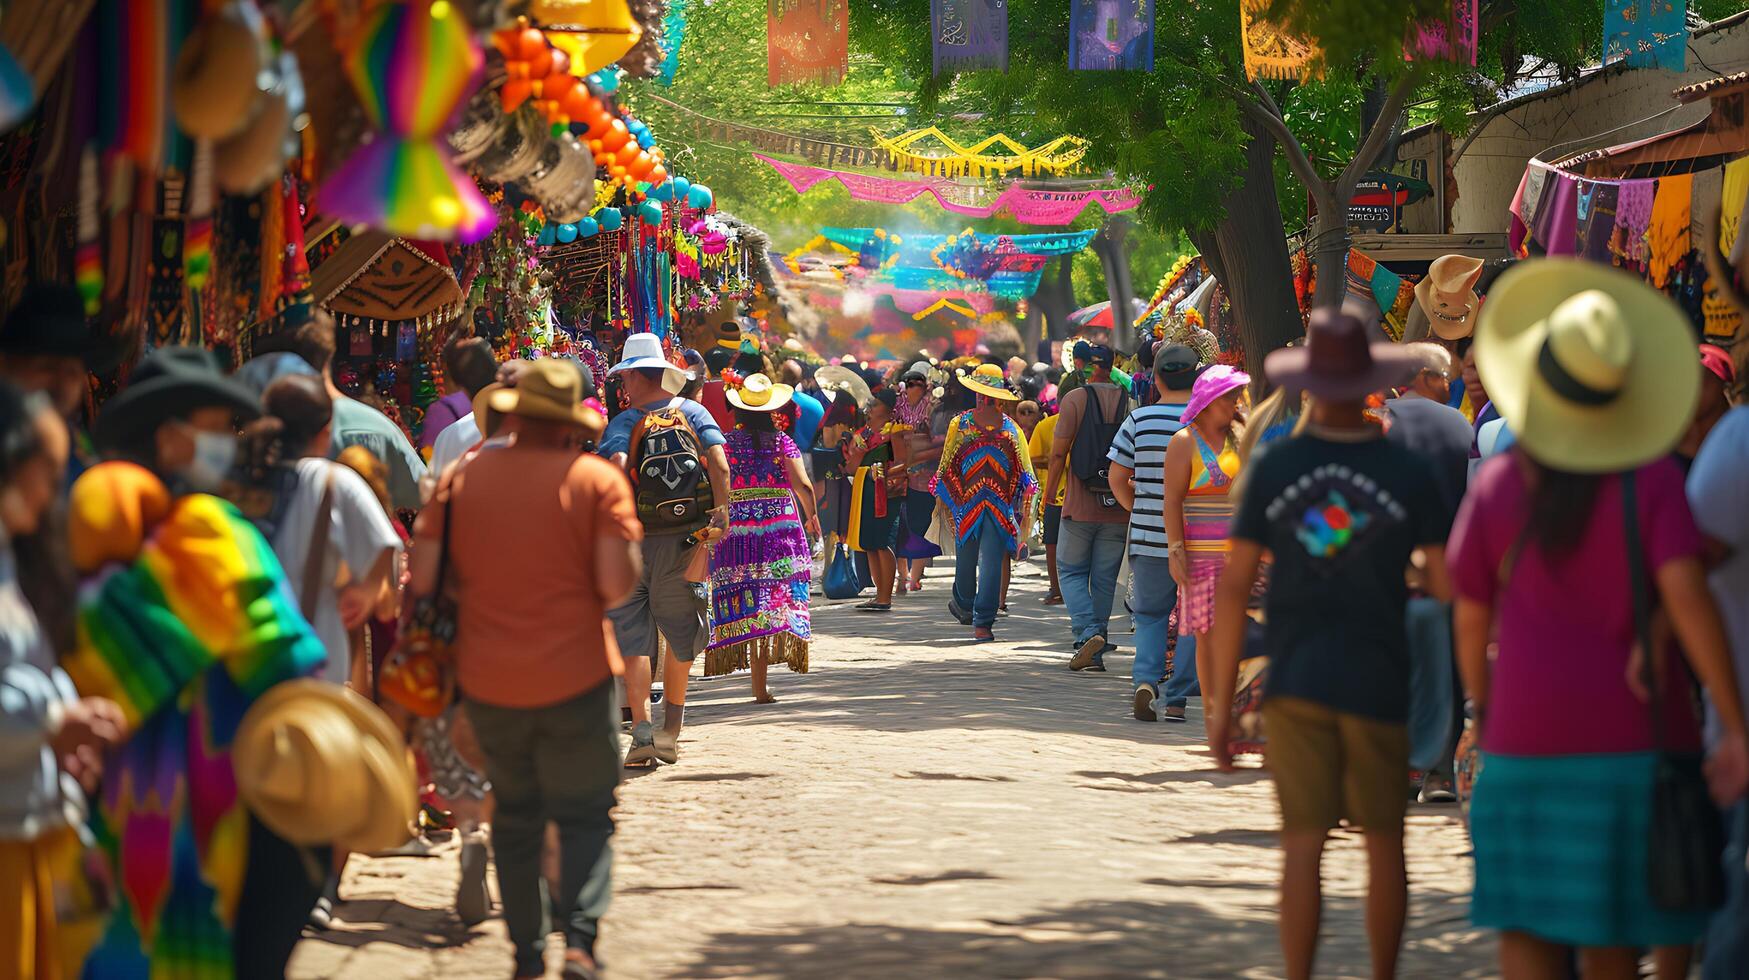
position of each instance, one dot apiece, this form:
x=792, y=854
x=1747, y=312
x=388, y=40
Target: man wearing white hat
x=664, y=604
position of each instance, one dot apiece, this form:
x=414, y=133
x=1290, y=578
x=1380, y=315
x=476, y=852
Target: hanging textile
x=1270, y=52
x=806, y=41
x=1453, y=39
x=1556, y=225
x=1029, y=206
x=1111, y=35
x=1733, y=195
x=1059, y=156
x=1667, y=239
x=969, y=34
x=673, y=35
x=1598, y=201
x=1646, y=33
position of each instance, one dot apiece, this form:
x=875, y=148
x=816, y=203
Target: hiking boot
x=643, y=750
x=1144, y=704
x=1087, y=655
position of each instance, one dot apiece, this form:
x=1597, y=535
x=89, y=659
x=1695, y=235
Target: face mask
x=214, y=454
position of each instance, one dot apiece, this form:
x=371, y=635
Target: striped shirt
x=1141, y=446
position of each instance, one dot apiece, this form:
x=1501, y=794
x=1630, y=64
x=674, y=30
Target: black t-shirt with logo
x=1341, y=519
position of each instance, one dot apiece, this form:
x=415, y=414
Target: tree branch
x=1382, y=127
x=1268, y=115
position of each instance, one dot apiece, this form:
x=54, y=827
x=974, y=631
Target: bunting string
x=1058, y=157
x=1270, y=52
x=1028, y=205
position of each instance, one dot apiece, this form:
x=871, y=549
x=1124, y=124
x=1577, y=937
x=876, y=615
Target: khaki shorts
x=1330, y=764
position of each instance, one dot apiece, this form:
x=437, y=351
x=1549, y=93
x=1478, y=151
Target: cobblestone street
x=922, y=806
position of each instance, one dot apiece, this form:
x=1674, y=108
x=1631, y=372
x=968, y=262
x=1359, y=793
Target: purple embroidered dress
x=760, y=568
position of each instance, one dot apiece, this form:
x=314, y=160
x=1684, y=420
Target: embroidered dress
x=876, y=498
x=760, y=568
x=1208, y=513
x=184, y=636
x=986, y=476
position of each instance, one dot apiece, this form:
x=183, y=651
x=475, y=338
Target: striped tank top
x=1208, y=511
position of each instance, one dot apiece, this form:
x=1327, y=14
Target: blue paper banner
x=1646, y=33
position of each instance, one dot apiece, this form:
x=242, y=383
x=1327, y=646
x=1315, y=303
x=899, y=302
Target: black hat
x=170, y=383
x=48, y=320
x=1176, y=365
x=1081, y=351
x=1099, y=354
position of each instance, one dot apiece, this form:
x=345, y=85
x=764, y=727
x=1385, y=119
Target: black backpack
x=1087, y=457
x=671, y=484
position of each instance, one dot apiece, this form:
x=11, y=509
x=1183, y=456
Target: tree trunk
x=1248, y=252
x=1114, y=256
x=1055, y=299
x=1329, y=254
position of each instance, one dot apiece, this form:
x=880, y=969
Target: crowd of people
x=1510, y=565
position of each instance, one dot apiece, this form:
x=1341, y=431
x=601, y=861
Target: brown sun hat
x=1338, y=361
x=549, y=390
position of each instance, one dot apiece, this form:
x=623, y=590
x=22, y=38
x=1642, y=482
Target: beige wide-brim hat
x=318, y=764
x=1593, y=370
x=759, y=394
x=1447, y=294
x=214, y=89
x=550, y=391
x=834, y=377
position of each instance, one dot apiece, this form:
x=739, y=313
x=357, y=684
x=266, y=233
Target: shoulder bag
x=419, y=673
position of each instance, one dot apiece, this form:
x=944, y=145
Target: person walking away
x=532, y=526
x=1341, y=509
x=1562, y=549
x=1051, y=521
x=759, y=570
x=809, y=410
x=985, y=486
x=1202, y=460
x=1090, y=539
x=1715, y=493
x=877, y=454
x=355, y=423
x=468, y=366
x=1138, y=478
x=212, y=630
x=1422, y=422
x=50, y=737
x=916, y=410
x=720, y=357
x=673, y=452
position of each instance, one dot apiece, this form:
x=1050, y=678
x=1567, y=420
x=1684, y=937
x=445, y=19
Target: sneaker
x=322, y=914
x=643, y=748
x=1088, y=654
x=1173, y=712
x=1437, y=789
x=1145, y=704
x=959, y=612
x=579, y=966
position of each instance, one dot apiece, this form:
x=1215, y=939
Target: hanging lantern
x=595, y=33
x=650, y=212
x=699, y=196
x=610, y=219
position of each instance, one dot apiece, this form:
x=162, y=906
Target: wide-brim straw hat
x=318, y=764
x=835, y=377
x=1447, y=295
x=987, y=379
x=759, y=394
x=214, y=88
x=1339, y=361
x=550, y=391
x=1593, y=370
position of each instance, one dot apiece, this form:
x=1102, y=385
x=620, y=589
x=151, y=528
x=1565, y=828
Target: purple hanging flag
x=1111, y=35
x=969, y=34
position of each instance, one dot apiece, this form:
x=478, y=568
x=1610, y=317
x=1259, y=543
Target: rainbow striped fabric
x=986, y=475
x=184, y=637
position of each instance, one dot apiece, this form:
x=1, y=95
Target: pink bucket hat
x=1218, y=380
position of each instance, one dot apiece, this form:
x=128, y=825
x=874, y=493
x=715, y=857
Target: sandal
x=983, y=634
x=1054, y=599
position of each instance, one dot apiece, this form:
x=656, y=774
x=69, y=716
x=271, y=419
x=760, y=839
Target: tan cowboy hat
x=987, y=379
x=759, y=394
x=835, y=377
x=1593, y=370
x=550, y=390
x=214, y=88
x=1447, y=295
x=319, y=764
x=244, y=163
x=483, y=406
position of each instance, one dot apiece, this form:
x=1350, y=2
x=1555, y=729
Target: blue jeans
x=1089, y=554
x=1727, y=939
x=1433, y=704
x=1153, y=597
x=978, y=563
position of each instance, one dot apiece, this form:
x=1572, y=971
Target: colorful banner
x=807, y=41
x=1269, y=51
x=1646, y=33
x=1059, y=156
x=1452, y=40
x=673, y=35
x=1028, y=205
x=969, y=34
x=1111, y=35
x=823, y=152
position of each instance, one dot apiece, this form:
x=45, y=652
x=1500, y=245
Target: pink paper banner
x=1029, y=206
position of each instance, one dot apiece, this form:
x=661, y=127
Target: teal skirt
x=1561, y=851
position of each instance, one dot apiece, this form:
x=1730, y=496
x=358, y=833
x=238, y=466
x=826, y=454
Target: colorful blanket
x=986, y=475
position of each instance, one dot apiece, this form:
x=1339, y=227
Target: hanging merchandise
x=1057, y=157
x=673, y=35
x=133, y=64
x=17, y=91
x=1646, y=33
x=969, y=34
x=412, y=64
x=1111, y=35
x=1270, y=52
x=88, y=251
x=1028, y=205
x=1452, y=39
x=594, y=33
x=807, y=41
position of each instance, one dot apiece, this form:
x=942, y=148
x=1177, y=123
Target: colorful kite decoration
x=1028, y=205
x=1057, y=157
x=1270, y=52
x=1111, y=35
x=807, y=41
x=1646, y=33
x=969, y=34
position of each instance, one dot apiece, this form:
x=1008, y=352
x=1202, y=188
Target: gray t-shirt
x=1439, y=434
x=1715, y=494
x=357, y=424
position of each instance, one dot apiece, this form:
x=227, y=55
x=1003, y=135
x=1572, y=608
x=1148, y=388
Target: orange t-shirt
x=531, y=626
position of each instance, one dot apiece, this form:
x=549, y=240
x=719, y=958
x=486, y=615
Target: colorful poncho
x=760, y=568
x=986, y=476
x=184, y=637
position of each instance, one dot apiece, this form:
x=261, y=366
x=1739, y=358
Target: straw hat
x=1592, y=369
x=834, y=377
x=759, y=394
x=1448, y=296
x=987, y=379
x=549, y=390
x=214, y=88
x=319, y=764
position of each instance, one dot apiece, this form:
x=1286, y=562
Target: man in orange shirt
x=542, y=540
